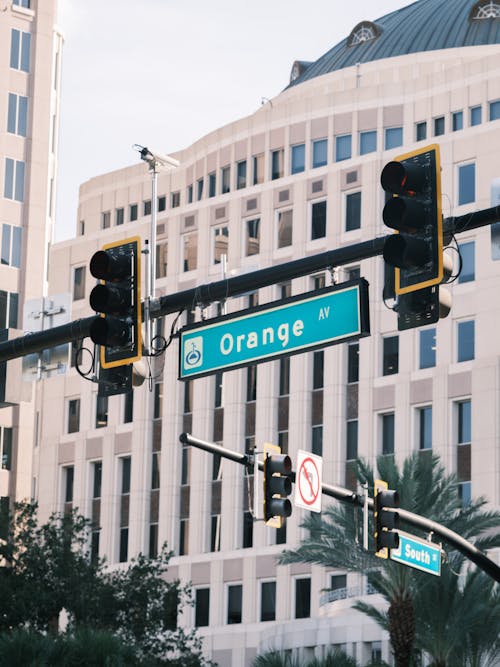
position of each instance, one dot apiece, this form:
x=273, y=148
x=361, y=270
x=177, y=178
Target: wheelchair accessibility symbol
x=193, y=352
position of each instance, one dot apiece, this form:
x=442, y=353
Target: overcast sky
x=163, y=73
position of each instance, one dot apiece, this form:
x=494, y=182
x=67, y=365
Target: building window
x=212, y=184
x=119, y=216
x=277, y=159
x=189, y=251
x=495, y=110
x=101, y=413
x=318, y=369
x=105, y=219
x=485, y=9
x=146, y=207
x=73, y=415
x=467, y=273
x=425, y=427
x=225, y=180
x=6, y=443
x=352, y=211
x=133, y=212
x=199, y=189
x=302, y=598
x=69, y=476
x=22, y=3
x=343, y=147
x=457, y=121
x=234, y=603
x=128, y=407
x=318, y=220
x=438, y=126
x=464, y=423
x=11, y=246
x=319, y=153
x=20, y=50
x=465, y=340
x=298, y=158
x=14, y=179
x=317, y=440
x=202, y=607
x=427, y=348
x=252, y=236
x=367, y=142
x=388, y=434
x=158, y=400
x=258, y=169
x=17, y=115
x=393, y=137
x=126, y=463
x=390, y=361
x=241, y=175
x=352, y=440
x=161, y=259
x=220, y=241
x=9, y=305
x=162, y=203
x=476, y=116
x=79, y=283
x=353, y=363
x=268, y=601
x=466, y=183
x=284, y=224
x=421, y=131
x=464, y=438
x=175, y=199
x=190, y=194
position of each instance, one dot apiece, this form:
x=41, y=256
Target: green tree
x=335, y=540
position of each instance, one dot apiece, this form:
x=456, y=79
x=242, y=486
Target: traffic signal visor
x=277, y=486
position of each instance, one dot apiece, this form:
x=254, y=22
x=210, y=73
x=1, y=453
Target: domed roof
x=425, y=25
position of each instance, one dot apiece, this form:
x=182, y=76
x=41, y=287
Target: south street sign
x=297, y=324
x=418, y=553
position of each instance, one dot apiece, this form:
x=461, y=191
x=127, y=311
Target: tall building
x=297, y=177
x=30, y=64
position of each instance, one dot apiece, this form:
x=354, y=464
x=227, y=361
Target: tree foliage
x=48, y=569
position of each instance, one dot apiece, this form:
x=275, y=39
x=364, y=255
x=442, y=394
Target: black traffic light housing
x=385, y=522
x=277, y=486
x=117, y=299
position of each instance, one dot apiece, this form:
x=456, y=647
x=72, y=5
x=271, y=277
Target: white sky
x=163, y=73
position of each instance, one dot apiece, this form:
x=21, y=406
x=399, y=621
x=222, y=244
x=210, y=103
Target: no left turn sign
x=308, y=481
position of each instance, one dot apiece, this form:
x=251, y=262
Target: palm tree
x=425, y=489
x=334, y=658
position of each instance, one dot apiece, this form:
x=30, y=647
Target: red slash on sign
x=308, y=490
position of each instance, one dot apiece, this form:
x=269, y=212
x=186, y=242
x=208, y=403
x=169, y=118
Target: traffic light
x=385, y=522
x=413, y=210
x=117, y=299
x=277, y=486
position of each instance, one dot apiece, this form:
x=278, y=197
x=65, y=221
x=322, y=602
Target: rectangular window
x=220, y=240
x=161, y=259
x=285, y=225
x=128, y=407
x=298, y=163
x=464, y=423
x=352, y=211
x=438, y=126
x=353, y=363
x=126, y=462
x=14, y=180
x=189, y=194
x=367, y=142
x=105, y=219
x=495, y=110
x=465, y=340
x=6, y=436
x=234, y=603
x=427, y=348
x=202, y=607
x=241, y=175
x=352, y=440
x=258, y=169
x=457, y=121
x=20, y=50
x=388, y=434
x=425, y=427
x=199, y=189
x=11, y=246
x=212, y=184
x=9, y=304
x=190, y=251
x=17, y=116
x=22, y=3
x=73, y=415
x=119, y=216
x=155, y=471
x=79, y=283
x=97, y=479
x=318, y=369
x=175, y=199
x=133, y=212
x=69, y=476
x=268, y=601
x=101, y=413
x=302, y=598
x=146, y=207
x=468, y=269
x=277, y=158
x=476, y=116
x=421, y=131
x=393, y=137
x=252, y=237
x=390, y=362
x=162, y=203
x=343, y=147
x=225, y=180
x=318, y=220
x=319, y=153
x=317, y=440
x=466, y=183
x=158, y=400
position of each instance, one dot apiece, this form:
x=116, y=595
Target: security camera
x=156, y=159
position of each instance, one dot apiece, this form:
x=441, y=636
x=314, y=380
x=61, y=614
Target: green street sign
x=300, y=323
x=417, y=553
